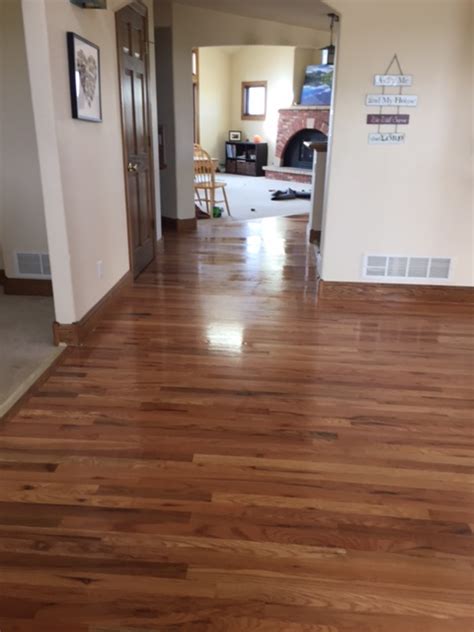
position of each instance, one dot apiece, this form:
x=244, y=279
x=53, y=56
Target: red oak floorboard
x=227, y=454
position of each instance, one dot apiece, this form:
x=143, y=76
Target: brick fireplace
x=297, y=120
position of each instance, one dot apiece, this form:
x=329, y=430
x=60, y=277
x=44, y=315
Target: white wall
x=215, y=88
x=416, y=198
x=275, y=65
x=193, y=27
x=22, y=222
x=82, y=163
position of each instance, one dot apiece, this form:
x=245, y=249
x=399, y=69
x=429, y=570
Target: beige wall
x=22, y=222
x=165, y=98
x=215, y=99
x=416, y=198
x=303, y=57
x=192, y=27
x=273, y=64
x=91, y=158
x=82, y=163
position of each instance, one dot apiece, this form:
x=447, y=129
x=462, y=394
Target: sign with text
x=388, y=119
x=392, y=100
x=386, y=138
x=393, y=80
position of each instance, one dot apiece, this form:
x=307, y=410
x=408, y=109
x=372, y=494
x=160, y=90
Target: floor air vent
x=33, y=264
x=407, y=268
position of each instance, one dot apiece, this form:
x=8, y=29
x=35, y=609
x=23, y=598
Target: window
x=254, y=100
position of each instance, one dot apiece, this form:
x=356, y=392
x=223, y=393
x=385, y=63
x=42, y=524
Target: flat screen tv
x=317, y=88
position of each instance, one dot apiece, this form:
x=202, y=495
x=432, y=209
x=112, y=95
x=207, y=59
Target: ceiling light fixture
x=328, y=53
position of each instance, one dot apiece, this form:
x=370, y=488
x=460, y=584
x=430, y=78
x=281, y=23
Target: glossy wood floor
x=225, y=455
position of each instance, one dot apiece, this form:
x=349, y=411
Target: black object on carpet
x=291, y=194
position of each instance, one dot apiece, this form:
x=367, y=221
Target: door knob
x=132, y=168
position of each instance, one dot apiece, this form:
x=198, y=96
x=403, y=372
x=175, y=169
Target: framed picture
x=235, y=135
x=84, y=78
x=317, y=88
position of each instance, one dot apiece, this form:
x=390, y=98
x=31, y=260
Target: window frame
x=245, y=96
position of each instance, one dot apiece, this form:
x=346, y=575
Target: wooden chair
x=205, y=182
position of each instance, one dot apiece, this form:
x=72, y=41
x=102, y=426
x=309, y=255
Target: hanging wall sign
x=392, y=100
x=388, y=119
x=386, y=138
x=393, y=80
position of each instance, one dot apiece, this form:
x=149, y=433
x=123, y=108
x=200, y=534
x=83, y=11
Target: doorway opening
x=258, y=134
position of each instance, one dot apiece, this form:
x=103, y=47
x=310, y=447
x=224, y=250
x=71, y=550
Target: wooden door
x=133, y=68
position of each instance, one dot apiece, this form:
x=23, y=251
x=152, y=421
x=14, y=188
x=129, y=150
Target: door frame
x=142, y=9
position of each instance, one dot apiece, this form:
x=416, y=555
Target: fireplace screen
x=297, y=154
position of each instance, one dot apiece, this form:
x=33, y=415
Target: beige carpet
x=26, y=344
x=250, y=198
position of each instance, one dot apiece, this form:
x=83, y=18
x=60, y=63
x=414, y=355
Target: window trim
x=245, y=86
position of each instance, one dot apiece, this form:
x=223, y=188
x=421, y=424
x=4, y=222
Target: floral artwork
x=87, y=67
x=84, y=73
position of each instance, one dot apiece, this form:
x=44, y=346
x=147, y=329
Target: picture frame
x=84, y=79
x=235, y=135
x=317, y=88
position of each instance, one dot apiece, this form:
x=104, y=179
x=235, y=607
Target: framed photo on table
x=84, y=79
x=235, y=135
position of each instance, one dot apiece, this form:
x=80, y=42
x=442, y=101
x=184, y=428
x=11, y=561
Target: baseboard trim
x=179, y=225
x=26, y=287
x=391, y=292
x=74, y=334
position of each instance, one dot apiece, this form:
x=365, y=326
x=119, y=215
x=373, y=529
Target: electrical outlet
x=100, y=269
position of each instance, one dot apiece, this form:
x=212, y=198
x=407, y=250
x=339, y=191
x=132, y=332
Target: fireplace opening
x=297, y=154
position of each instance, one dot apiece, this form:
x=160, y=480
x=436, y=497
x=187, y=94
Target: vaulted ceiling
x=310, y=13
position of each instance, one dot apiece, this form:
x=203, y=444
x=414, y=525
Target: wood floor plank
x=225, y=454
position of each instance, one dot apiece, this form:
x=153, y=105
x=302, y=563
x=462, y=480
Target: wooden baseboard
x=74, y=334
x=179, y=225
x=315, y=237
x=391, y=292
x=27, y=287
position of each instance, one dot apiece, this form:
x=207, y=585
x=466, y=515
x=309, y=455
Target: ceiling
x=309, y=13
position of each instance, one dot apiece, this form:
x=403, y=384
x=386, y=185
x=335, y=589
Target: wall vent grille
x=407, y=268
x=33, y=265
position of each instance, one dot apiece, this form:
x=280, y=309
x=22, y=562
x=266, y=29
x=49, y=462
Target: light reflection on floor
x=225, y=336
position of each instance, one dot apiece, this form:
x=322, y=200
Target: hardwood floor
x=226, y=455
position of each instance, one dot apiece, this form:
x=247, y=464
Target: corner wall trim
x=74, y=334
x=395, y=292
x=27, y=287
x=179, y=225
